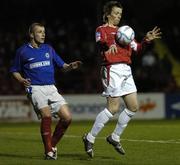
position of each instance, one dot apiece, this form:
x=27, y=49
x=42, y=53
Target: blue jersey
x=37, y=64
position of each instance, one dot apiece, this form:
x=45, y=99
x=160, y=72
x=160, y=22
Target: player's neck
x=34, y=44
x=110, y=25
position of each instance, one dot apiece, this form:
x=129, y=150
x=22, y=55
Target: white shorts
x=46, y=96
x=117, y=80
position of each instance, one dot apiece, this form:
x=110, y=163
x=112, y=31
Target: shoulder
x=46, y=46
x=105, y=28
x=22, y=49
x=101, y=27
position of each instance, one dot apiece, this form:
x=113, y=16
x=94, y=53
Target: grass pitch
x=146, y=143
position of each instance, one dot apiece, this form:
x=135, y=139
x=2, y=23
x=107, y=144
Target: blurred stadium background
x=70, y=27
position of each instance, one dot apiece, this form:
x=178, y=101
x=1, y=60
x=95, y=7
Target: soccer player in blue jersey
x=34, y=68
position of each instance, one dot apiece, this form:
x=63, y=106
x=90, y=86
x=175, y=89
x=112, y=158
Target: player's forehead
x=38, y=28
x=116, y=9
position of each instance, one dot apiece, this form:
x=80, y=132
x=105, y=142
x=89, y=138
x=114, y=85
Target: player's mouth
x=117, y=21
x=42, y=39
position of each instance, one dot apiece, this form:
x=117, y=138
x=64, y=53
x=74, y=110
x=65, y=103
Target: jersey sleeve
x=57, y=60
x=139, y=47
x=100, y=35
x=17, y=64
x=101, y=38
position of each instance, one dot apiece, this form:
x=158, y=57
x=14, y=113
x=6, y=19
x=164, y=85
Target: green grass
x=145, y=142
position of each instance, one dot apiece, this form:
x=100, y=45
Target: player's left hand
x=112, y=49
x=75, y=64
x=153, y=34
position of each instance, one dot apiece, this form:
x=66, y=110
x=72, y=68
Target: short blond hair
x=33, y=25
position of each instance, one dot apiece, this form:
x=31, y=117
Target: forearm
x=143, y=45
x=102, y=45
x=18, y=76
x=23, y=81
x=139, y=47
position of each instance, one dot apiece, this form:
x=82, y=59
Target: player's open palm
x=153, y=34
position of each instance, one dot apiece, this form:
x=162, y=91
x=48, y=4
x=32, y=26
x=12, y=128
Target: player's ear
x=31, y=35
x=107, y=16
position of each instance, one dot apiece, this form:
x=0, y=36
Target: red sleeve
x=100, y=35
x=101, y=38
x=139, y=47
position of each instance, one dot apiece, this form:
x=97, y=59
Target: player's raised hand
x=153, y=34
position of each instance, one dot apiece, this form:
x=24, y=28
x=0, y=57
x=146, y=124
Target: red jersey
x=105, y=37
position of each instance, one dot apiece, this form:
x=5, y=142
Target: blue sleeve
x=57, y=59
x=17, y=65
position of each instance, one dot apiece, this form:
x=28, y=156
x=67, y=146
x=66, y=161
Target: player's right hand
x=26, y=82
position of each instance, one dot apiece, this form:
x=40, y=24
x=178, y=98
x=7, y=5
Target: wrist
x=146, y=40
x=21, y=80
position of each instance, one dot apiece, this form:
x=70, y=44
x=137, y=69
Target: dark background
x=70, y=28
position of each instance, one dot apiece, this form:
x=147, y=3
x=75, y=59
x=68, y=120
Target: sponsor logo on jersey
x=39, y=64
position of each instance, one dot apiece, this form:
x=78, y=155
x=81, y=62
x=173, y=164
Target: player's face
x=38, y=34
x=115, y=16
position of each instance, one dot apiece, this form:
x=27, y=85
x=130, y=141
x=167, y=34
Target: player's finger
x=155, y=28
x=79, y=63
x=113, y=50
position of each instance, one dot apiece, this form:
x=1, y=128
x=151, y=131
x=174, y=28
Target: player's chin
x=116, y=23
x=41, y=41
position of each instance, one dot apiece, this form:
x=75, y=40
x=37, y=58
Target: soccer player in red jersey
x=117, y=78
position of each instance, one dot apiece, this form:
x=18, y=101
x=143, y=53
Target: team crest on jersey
x=98, y=36
x=47, y=55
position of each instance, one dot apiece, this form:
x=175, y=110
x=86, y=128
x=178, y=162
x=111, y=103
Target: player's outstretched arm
x=72, y=66
x=153, y=34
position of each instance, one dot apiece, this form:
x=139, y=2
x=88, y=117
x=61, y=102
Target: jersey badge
x=47, y=55
x=98, y=36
